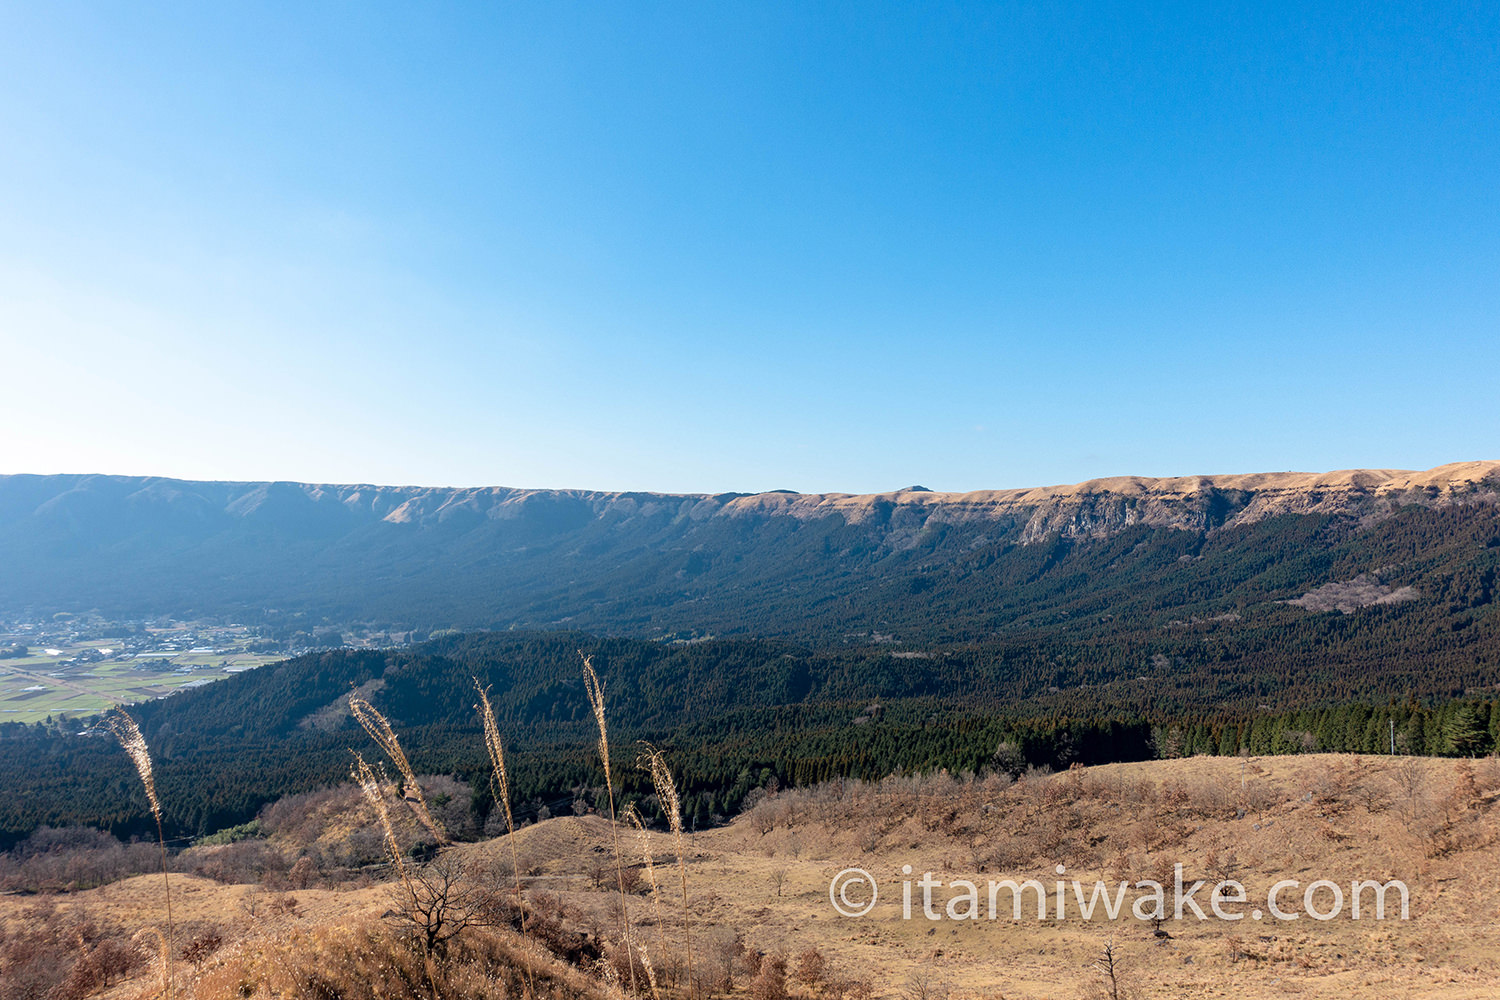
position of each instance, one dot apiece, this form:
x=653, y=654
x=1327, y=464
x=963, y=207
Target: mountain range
x=665, y=565
x=777, y=635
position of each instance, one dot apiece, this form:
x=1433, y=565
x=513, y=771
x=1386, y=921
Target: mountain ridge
x=657, y=563
x=415, y=502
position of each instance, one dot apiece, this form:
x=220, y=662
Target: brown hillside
x=763, y=882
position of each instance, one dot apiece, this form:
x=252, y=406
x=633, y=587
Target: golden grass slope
x=1099, y=506
x=1157, y=500
x=764, y=880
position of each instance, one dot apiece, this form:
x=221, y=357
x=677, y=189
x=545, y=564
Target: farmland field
x=68, y=681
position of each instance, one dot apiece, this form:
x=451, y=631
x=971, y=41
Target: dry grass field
x=759, y=891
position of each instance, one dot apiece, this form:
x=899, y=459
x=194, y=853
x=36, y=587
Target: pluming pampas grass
x=643, y=836
x=163, y=954
x=381, y=732
x=500, y=787
x=363, y=775
x=666, y=796
x=129, y=734
x=650, y=972
x=370, y=786
x=595, y=691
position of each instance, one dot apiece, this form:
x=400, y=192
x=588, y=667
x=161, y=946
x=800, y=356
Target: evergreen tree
x=1465, y=734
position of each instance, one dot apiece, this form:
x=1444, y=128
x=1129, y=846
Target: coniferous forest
x=741, y=714
x=816, y=650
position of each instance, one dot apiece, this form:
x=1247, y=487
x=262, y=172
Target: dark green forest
x=735, y=715
x=809, y=650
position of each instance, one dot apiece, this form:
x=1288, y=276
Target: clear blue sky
x=718, y=247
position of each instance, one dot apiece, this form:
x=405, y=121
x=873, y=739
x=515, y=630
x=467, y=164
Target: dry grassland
x=760, y=887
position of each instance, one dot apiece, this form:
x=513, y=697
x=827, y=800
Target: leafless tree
x=1410, y=775
x=448, y=894
x=921, y=985
x=726, y=951
x=1110, y=975
x=778, y=878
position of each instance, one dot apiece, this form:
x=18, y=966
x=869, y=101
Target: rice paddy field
x=81, y=679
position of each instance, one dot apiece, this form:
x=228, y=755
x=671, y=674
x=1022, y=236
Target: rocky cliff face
x=1098, y=508
x=69, y=541
x=1101, y=507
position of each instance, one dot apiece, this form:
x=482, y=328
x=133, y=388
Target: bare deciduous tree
x=1110, y=977
x=778, y=878
x=921, y=985
x=1411, y=782
x=448, y=894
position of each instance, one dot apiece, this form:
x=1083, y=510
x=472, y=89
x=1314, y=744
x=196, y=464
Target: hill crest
x=394, y=504
x=633, y=562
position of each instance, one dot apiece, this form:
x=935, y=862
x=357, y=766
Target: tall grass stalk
x=643, y=835
x=500, y=788
x=381, y=732
x=666, y=797
x=364, y=776
x=129, y=734
x=369, y=784
x=163, y=954
x=650, y=972
x=595, y=689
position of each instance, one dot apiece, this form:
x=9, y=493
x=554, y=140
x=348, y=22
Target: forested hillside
x=913, y=565
x=777, y=637
x=739, y=714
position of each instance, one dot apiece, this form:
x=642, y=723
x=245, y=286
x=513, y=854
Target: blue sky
x=823, y=247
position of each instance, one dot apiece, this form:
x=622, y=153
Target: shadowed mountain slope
x=936, y=564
